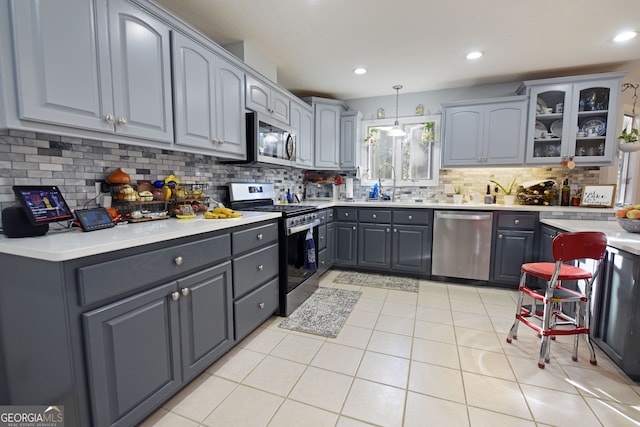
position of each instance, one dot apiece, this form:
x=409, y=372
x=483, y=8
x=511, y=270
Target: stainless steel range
x=298, y=240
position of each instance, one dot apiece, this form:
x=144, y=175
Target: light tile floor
x=436, y=358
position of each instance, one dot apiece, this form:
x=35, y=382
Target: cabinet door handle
x=374, y=216
x=260, y=267
x=109, y=118
x=186, y=291
x=122, y=121
x=178, y=260
x=346, y=214
x=499, y=236
x=260, y=236
x=261, y=305
x=410, y=217
x=354, y=227
x=321, y=262
x=517, y=221
x=388, y=230
x=175, y=296
x=395, y=230
x=321, y=237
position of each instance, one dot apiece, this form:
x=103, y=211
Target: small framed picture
x=598, y=196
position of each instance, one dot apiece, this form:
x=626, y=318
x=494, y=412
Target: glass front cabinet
x=573, y=118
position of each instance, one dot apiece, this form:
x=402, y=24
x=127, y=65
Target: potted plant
x=509, y=199
x=457, y=196
x=372, y=137
x=629, y=141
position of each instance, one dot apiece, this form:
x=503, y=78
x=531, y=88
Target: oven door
x=302, y=251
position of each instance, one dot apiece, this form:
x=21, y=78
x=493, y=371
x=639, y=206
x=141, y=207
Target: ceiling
x=421, y=44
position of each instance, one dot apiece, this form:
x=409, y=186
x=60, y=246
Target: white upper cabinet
x=350, y=123
x=573, y=118
x=110, y=74
x=59, y=73
x=208, y=100
x=484, y=132
x=302, y=124
x=268, y=100
x=141, y=66
x=326, y=116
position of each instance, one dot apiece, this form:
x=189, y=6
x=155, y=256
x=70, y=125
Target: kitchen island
x=112, y=323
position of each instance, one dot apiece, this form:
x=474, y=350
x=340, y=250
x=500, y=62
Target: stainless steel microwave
x=268, y=142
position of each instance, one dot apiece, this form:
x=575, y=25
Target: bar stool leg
x=513, y=332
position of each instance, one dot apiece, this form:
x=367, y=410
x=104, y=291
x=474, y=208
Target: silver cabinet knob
x=186, y=291
x=260, y=236
x=375, y=216
x=321, y=262
x=517, y=221
x=410, y=217
x=354, y=227
x=109, y=119
x=500, y=236
x=122, y=121
x=260, y=267
x=261, y=305
x=321, y=237
x=388, y=230
x=395, y=230
x=178, y=260
x=175, y=296
x=346, y=214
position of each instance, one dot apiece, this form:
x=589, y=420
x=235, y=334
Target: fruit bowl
x=630, y=225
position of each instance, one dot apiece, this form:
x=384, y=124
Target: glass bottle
x=565, y=193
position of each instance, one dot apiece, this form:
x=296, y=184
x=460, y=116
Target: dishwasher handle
x=466, y=217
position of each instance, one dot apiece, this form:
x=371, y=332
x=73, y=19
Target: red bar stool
x=547, y=311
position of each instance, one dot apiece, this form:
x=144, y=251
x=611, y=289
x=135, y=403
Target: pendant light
x=396, y=130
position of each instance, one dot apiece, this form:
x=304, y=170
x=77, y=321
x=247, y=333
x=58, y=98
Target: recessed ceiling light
x=623, y=37
x=359, y=70
x=474, y=55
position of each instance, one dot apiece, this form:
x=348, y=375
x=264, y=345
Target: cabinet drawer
x=253, y=309
x=346, y=214
x=322, y=259
x=374, y=215
x=245, y=240
x=253, y=269
x=109, y=279
x=521, y=221
x=412, y=216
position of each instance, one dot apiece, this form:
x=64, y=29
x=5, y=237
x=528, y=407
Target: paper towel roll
x=348, y=188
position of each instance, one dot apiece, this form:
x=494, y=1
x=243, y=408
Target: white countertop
x=70, y=244
x=616, y=236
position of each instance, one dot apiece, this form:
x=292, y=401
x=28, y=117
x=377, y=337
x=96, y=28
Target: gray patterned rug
x=385, y=281
x=323, y=313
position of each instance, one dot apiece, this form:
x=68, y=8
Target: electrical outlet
x=448, y=188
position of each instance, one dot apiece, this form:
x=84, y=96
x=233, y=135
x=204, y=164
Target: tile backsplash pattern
x=75, y=164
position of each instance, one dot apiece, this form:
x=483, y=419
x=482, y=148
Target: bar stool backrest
x=580, y=245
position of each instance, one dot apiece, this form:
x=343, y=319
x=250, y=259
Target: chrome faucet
x=393, y=180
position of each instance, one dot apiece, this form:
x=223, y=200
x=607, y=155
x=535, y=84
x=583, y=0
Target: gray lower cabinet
x=374, y=245
x=616, y=316
x=331, y=244
x=256, y=269
x=117, y=334
x=346, y=235
x=513, y=245
x=141, y=349
x=391, y=240
x=411, y=249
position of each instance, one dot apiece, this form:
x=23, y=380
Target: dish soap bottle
x=289, y=198
x=565, y=193
x=488, y=198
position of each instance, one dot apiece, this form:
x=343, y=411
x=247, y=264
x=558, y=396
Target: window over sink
x=415, y=157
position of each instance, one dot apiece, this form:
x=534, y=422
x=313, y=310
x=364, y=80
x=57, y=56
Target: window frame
x=369, y=177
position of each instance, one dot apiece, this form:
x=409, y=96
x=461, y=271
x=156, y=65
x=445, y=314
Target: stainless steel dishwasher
x=462, y=244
